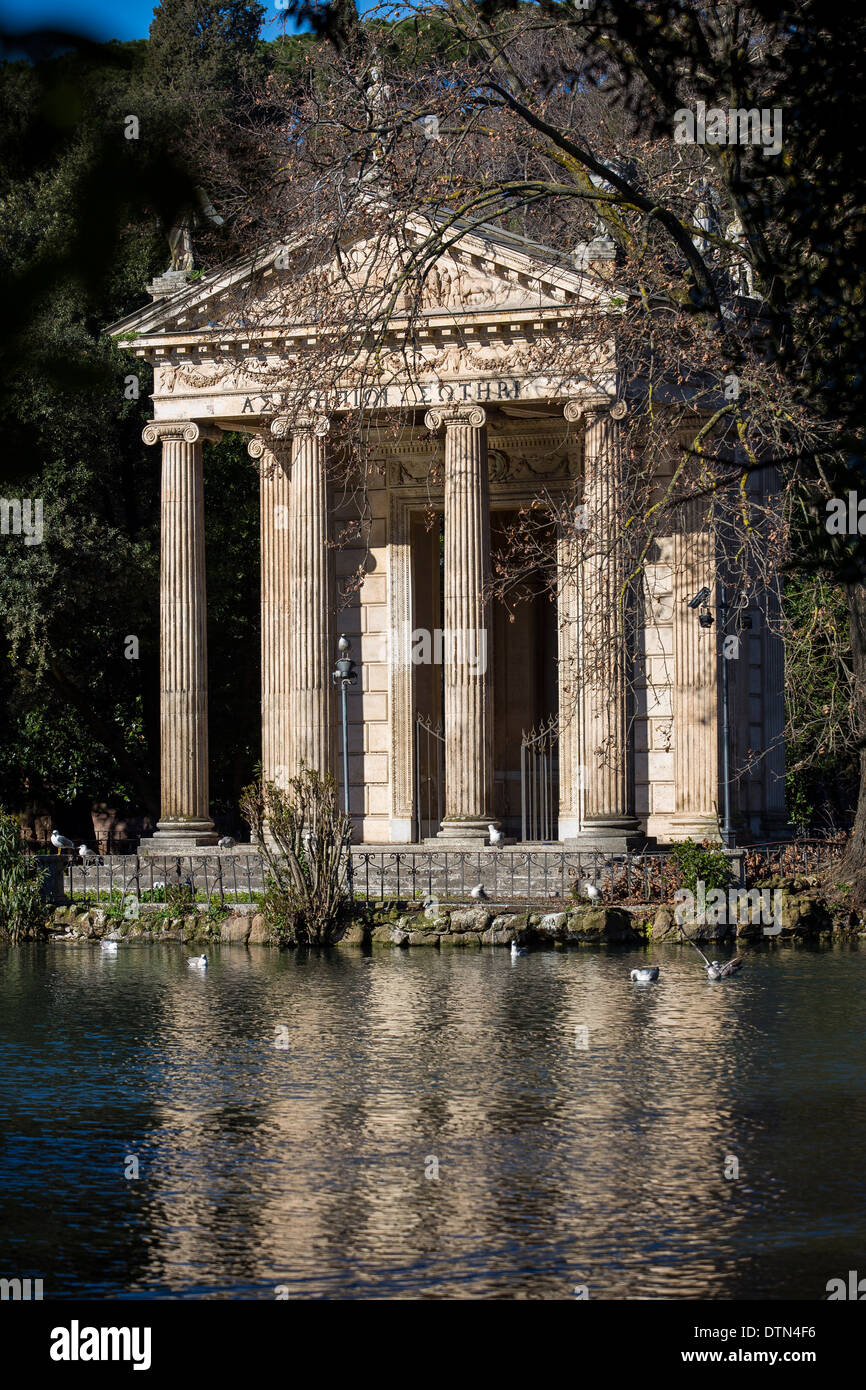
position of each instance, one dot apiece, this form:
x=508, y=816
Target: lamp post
x=343, y=676
x=705, y=618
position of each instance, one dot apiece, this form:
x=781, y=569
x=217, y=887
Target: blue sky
x=101, y=19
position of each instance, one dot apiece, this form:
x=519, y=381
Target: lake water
x=311, y=1167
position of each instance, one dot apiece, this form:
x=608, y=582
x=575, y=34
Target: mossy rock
x=602, y=924
x=353, y=934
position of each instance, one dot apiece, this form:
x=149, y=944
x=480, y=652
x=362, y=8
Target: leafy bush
x=701, y=864
x=22, y=913
x=305, y=840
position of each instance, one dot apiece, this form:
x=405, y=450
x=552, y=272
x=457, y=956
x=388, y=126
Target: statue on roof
x=180, y=246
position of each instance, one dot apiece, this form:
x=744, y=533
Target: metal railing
x=789, y=858
x=506, y=875
x=539, y=781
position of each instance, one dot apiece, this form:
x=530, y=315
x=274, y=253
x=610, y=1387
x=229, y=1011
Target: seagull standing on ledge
x=478, y=892
x=226, y=842
x=60, y=841
x=88, y=856
x=591, y=892
x=496, y=836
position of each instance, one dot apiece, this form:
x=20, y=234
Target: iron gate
x=539, y=781
x=429, y=776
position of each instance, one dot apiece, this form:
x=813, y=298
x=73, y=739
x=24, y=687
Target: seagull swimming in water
x=715, y=971
x=197, y=962
x=109, y=947
x=645, y=974
x=60, y=841
x=496, y=836
x=518, y=950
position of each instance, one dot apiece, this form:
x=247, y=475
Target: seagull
x=226, y=842
x=724, y=972
x=197, y=962
x=518, y=950
x=496, y=836
x=431, y=907
x=109, y=947
x=645, y=974
x=591, y=891
x=88, y=856
x=478, y=892
x=714, y=970
x=60, y=841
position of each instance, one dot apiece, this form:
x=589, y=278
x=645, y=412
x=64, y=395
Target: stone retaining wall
x=806, y=915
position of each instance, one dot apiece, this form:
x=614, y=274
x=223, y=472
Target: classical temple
x=464, y=715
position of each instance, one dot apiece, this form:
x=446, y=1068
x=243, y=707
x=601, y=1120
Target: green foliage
x=21, y=911
x=701, y=863
x=305, y=839
x=82, y=215
x=821, y=749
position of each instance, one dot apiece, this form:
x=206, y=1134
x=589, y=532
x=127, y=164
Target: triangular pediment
x=376, y=278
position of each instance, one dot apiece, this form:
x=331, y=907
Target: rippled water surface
x=311, y=1166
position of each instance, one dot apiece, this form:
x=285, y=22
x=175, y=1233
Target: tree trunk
x=852, y=868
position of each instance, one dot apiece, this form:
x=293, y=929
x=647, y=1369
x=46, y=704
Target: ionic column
x=696, y=683
x=311, y=596
x=609, y=820
x=568, y=683
x=468, y=688
x=185, y=795
x=275, y=606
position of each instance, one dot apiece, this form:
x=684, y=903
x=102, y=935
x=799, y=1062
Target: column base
x=179, y=837
x=471, y=829
x=695, y=827
x=607, y=836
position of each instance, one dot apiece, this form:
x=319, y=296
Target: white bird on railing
x=60, y=841
x=518, y=950
x=88, y=856
x=591, y=891
x=496, y=836
x=645, y=974
x=478, y=892
x=197, y=962
x=226, y=842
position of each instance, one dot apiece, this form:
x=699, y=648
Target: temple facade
x=466, y=713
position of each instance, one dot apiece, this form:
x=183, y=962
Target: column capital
x=187, y=431
x=473, y=415
x=289, y=425
x=594, y=409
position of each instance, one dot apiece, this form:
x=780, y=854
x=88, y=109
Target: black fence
x=448, y=876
